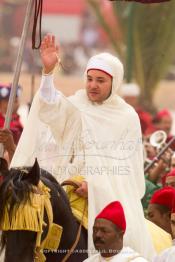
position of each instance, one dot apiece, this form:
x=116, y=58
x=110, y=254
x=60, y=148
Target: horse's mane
x=15, y=188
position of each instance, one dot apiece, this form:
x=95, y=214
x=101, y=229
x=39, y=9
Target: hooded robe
x=102, y=142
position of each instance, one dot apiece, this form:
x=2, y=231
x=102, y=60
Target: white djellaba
x=101, y=141
x=167, y=255
x=125, y=255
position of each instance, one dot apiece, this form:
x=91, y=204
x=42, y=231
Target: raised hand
x=49, y=53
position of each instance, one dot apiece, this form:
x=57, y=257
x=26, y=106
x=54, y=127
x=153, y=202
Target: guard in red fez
x=160, y=207
x=108, y=231
x=114, y=213
x=145, y=121
x=15, y=125
x=163, y=121
x=164, y=197
x=168, y=255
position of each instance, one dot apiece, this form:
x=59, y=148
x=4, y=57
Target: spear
x=18, y=68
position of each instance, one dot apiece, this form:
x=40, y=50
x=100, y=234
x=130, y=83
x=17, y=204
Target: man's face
x=108, y=240
x=170, y=181
x=98, y=85
x=173, y=225
x=160, y=219
x=165, y=124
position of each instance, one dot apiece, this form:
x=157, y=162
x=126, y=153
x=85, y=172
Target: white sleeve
x=47, y=91
x=55, y=110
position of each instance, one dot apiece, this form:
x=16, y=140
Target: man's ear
x=34, y=174
x=121, y=234
x=167, y=216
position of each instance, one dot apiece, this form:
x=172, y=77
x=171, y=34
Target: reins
x=74, y=184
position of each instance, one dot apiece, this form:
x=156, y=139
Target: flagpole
x=18, y=67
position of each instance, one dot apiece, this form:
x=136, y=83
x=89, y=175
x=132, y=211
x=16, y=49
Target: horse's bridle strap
x=77, y=238
x=53, y=237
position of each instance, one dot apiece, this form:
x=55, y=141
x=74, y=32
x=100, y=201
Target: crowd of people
x=110, y=156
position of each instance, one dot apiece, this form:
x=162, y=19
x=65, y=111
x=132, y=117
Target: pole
x=18, y=67
x=32, y=79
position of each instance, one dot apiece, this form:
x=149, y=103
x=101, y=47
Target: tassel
x=30, y=216
x=53, y=238
x=26, y=216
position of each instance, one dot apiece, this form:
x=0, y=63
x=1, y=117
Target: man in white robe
x=97, y=135
x=108, y=231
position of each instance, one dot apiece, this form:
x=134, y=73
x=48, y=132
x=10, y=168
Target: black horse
x=19, y=244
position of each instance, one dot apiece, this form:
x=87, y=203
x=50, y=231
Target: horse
x=20, y=245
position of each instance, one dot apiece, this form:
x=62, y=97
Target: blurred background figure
x=156, y=175
x=168, y=254
x=9, y=137
x=160, y=206
x=131, y=94
x=15, y=125
x=164, y=121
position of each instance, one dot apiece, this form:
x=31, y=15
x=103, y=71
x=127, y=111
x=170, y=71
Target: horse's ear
x=34, y=174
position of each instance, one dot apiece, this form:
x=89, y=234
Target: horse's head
x=33, y=210
x=14, y=191
x=25, y=212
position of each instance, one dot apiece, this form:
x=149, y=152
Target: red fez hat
x=161, y=114
x=164, y=197
x=171, y=173
x=114, y=212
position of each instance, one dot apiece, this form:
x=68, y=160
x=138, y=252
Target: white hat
x=130, y=89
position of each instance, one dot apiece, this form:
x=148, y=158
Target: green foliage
x=154, y=43
x=148, y=38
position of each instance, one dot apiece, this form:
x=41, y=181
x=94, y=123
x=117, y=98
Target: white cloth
x=125, y=255
x=101, y=141
x=48, y=91
x=167, y=255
